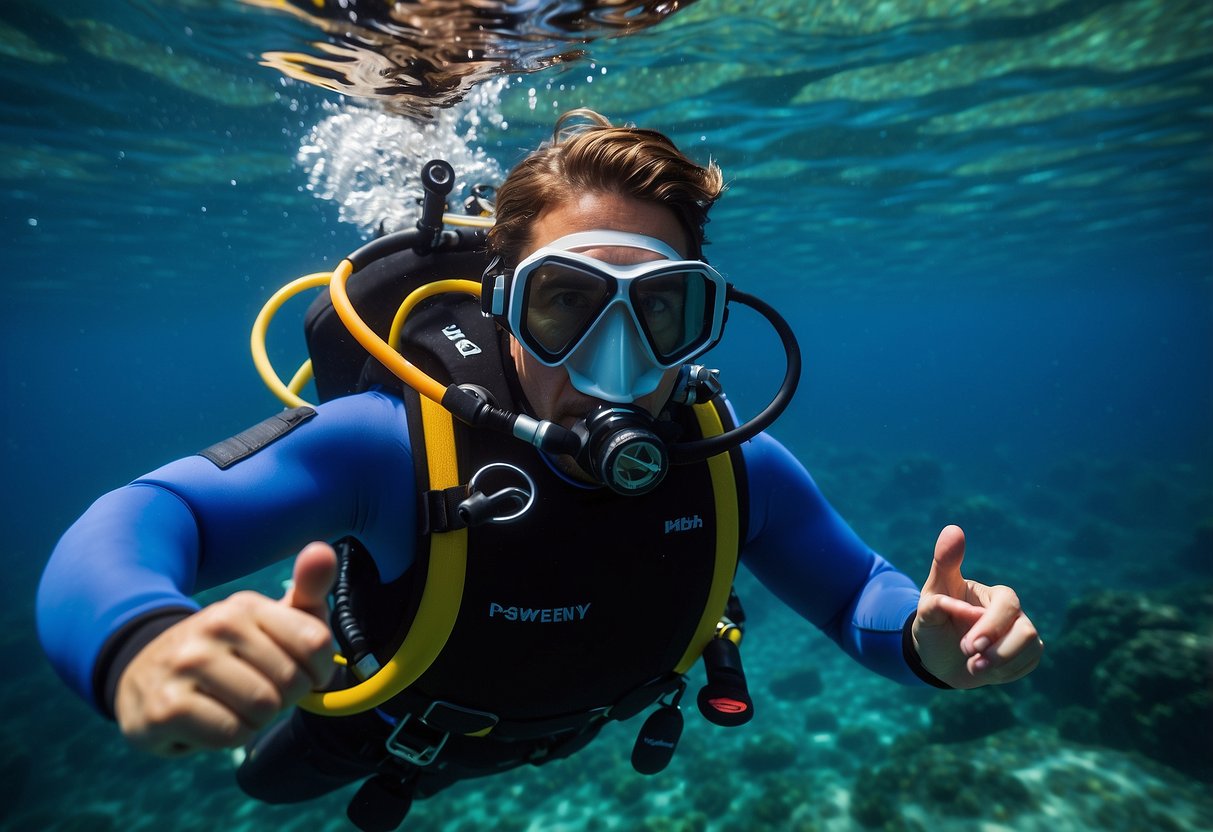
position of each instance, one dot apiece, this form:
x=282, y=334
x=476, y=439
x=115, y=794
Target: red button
x=728, y=706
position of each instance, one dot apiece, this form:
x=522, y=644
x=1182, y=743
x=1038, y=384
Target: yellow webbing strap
x=728, y=531
x=440, y=600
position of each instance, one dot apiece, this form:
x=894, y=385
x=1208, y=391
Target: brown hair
x=595, y=156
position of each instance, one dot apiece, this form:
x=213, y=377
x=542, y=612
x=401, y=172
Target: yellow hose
x=289, y=394
x=468, y=220
x=419, y=294
x=376, y=346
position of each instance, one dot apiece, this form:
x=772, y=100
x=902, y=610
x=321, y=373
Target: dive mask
x=616, y=329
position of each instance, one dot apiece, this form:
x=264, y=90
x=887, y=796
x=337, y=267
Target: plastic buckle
x=416, y=747
x=428, y=733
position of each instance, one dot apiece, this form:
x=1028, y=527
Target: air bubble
x=368, y=162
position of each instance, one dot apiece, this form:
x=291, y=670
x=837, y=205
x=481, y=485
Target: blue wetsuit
x=127, y=567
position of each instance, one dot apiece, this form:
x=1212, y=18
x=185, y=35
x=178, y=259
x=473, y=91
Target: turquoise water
x=989, y=223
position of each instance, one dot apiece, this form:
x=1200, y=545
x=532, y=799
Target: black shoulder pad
x=246, y=443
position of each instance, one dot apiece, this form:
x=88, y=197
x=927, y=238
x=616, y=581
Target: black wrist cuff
x=123, y=646
x=912, y=659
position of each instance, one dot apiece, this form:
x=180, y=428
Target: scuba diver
x=518, y=511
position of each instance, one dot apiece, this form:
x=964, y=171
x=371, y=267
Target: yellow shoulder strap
x=728, y=531
x=440, y=600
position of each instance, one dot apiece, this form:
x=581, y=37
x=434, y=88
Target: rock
x=942, y=780
x=1154, y=695
x=987, y=522
x=969, y=715
x=820, y=721
x=768, y=752
x=797, y=684
x=859, y=742
x=1095, y=626
x=1197, y=555
x=1077, y=725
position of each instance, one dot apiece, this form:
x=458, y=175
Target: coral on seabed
x=1095, y=626
x=767, y=752
x=797, y=684
x=988, y=521
x=1133, y=672
x=1153, y=695
x=941, y=777
x=970, y=715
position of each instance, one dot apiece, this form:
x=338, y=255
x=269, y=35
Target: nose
x=612, y=362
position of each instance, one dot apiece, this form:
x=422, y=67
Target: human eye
x=561, y=304
x=657, y=305
x=569, y=300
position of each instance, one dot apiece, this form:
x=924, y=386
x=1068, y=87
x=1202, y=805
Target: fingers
x=1014, y=655
x=967, y=633
x=313, y=576
x=300, y=637
x=944, y=577
x=214, y=678
x=936, y=610
x=1001, y=610
x=189, y=722
x=290, y=648
x=968, y=645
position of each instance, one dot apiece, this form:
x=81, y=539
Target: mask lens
x=675, y=309
x=561, y=303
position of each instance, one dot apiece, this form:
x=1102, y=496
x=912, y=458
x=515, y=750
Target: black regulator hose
x=701, y=449
x=353, y=642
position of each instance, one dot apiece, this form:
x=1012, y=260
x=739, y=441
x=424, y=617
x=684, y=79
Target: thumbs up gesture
x=215, y=678
x=968, y=634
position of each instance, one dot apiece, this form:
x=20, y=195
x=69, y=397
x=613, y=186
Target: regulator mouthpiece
x=621, y=449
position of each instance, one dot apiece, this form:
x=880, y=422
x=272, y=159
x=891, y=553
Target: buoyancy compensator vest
x=587, y=605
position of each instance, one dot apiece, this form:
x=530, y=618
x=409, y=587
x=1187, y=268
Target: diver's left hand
x=968, y=634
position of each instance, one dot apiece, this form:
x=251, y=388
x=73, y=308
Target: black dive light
x=725, y=699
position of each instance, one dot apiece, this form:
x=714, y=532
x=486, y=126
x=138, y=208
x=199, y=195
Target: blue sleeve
x=189, y=526
x=803, y=551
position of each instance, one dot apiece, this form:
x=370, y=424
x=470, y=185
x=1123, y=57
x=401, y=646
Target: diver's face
x=549, y=389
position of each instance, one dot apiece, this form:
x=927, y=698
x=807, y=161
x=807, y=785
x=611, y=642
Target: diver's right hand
x=214, y=679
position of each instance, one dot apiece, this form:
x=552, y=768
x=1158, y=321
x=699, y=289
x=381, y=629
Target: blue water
x=991, y=226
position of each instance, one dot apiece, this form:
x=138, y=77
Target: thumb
x=945, y=577
x=314, y=573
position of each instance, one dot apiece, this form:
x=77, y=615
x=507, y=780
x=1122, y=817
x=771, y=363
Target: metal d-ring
x=524, y=495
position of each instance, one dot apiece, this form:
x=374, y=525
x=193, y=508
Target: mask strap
x=625, y=239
